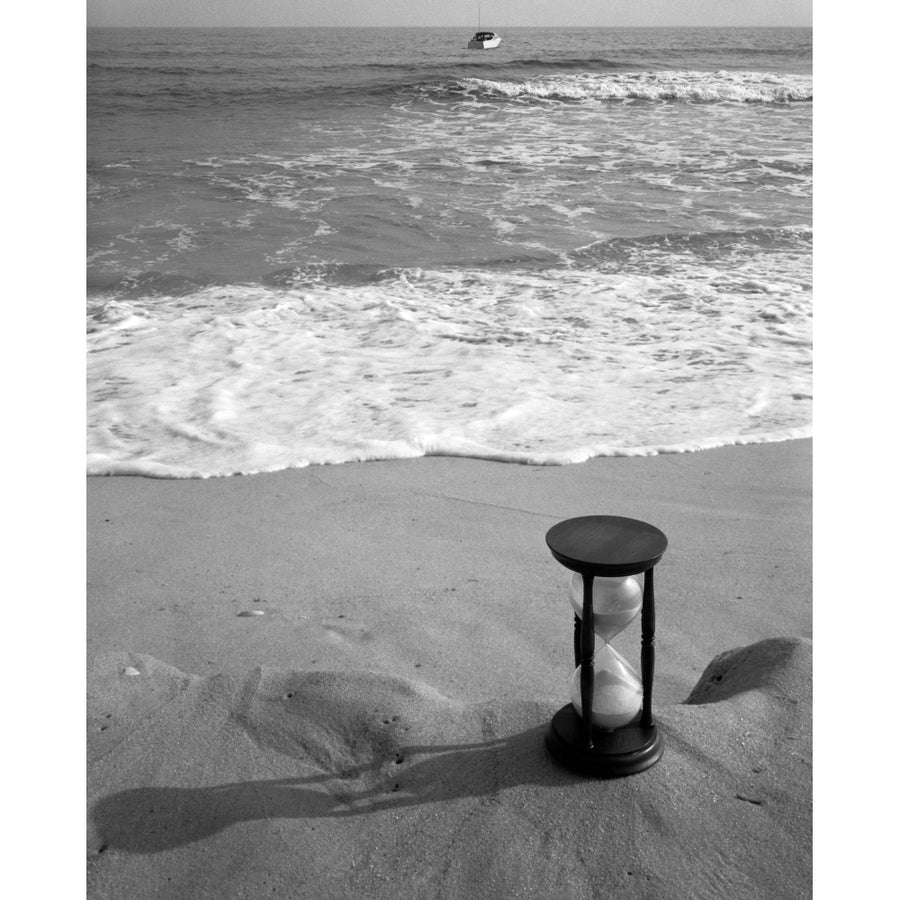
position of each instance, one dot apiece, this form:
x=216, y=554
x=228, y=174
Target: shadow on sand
x=152, y=819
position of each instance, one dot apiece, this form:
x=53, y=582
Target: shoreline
x=425, y=587
x=165, y=473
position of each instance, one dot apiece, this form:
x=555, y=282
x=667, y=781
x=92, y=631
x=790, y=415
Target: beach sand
x=335, y=682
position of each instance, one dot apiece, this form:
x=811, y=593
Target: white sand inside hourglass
x=616, y=602
x=618, y=693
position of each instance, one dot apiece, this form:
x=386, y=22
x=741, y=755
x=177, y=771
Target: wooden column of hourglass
x=607, y=547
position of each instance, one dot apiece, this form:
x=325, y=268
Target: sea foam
x=544, y=367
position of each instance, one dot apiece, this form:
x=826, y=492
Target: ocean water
x=311, y=246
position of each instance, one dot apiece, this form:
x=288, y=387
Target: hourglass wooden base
x=623, y=751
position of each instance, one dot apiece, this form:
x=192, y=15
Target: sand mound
x=781, y=666
x=312, y=784
x=351, y=725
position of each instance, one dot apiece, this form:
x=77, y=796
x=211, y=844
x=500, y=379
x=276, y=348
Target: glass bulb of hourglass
x=618, y=692
x=616, y=602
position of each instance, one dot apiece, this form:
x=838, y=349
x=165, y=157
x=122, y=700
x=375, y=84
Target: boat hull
x=484, y=45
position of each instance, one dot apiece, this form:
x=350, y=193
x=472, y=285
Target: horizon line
x=424, y=27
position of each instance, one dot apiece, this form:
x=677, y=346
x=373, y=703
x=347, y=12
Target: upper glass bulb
x=616, y=602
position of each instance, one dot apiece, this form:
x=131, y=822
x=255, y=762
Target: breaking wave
x=689, y=87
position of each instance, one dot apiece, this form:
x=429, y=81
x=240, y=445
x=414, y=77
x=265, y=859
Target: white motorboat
x=484, y=40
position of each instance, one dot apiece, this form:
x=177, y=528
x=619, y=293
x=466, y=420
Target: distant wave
x=520, y=81
x=598, y=64
x=790, y=51
x=476, y=62
x=696, y=87
x=157, y=70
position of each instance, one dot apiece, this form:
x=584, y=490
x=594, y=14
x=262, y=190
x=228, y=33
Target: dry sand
x=335, y=681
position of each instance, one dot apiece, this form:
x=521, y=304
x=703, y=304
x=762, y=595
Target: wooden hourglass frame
x=607, y=547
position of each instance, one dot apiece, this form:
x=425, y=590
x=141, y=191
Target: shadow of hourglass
x=154, y=819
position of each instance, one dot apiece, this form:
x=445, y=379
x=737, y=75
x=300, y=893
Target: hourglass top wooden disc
x=606, y=545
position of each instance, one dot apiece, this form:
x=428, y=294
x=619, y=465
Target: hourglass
x=612, y=559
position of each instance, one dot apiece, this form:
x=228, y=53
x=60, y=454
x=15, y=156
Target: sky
x=460, y=13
